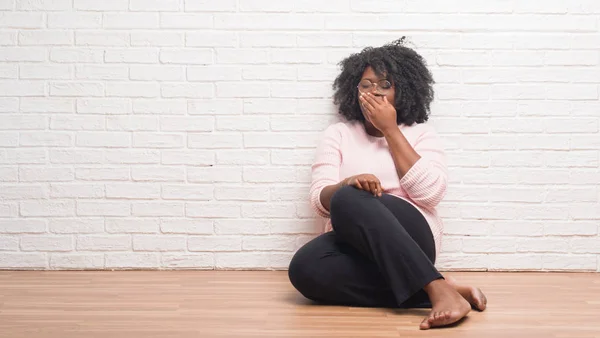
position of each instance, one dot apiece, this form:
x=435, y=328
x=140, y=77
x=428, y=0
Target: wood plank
x=117, y=304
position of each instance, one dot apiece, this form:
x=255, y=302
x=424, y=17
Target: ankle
x=435, y=285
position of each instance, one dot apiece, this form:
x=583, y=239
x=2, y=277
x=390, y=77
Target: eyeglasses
x=383, y=86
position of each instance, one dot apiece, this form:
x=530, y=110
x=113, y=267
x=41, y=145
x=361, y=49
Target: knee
x=300, y=273
x=345, y=200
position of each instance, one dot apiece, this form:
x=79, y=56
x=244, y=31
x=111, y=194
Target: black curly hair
x=404, y=68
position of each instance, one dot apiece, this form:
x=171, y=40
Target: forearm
x=402, y=152
x=327, y=192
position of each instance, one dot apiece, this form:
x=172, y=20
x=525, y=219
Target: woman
x=379, y=177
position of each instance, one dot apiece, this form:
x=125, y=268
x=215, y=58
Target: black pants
x=380, y=254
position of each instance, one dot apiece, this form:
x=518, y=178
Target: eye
x=365, y=84
x=385, y=84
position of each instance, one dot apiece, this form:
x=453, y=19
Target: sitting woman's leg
x=329, y=271
x=371, y=225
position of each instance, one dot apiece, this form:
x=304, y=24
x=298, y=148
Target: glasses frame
x=377, y=86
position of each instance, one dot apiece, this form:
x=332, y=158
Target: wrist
x=391, y=131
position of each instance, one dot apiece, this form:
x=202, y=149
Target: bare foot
x=473, y=295
x=448, y=306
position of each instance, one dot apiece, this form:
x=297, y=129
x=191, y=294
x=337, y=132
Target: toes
x=425, y=324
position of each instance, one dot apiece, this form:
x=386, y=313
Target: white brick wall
x=178, y=134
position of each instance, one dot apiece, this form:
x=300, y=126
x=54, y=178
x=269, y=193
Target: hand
x=380, y=112
x=366, y=182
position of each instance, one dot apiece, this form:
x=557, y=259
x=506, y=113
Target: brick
x=23, y=260
x=294, y=226
x=214, y=73
x=269, y=174
x=211, y=39
x=242, y=157
x=70, y=55
x=241, y=227
x=75, y=20
x=154, y=5
x=132, y=260
x=102, y=174
x=241, y=193
x=132, y=123
x=9, y=210
x=45, y=174
x=11, y=139
x=515, y=262
x=212, y=210
x=292, y=157
x=542, y=245
x=187, y=90
x=158, y=209
x=269, y=243
x=215, y=174
x=210, y=6
x=97, y=72
x=265, y=21
x=47, y=105
x=512, y=228
x=44, y=5
x=78, y=225
x=130, y=20
x=10, y=104
x=76, y=190
x=159, y=243
x=186, y=21
x=186, y=56
x=103, y=208
x=297, y=56
x=301, y=90
x=22, y=88
x=576, y=158
x=105, y=5
x=187, y=192
x=74, y=89
x=270, y=73
x=251, y=123
x=271, y=106
x=77, y=156
x=46, y=38
x=267, y=39
x=65, y=261
x=157, y=73
x=21, y=20
x=188, y=261
x=9, y=243
x=46, y=243
x=47, y=208
x=186, y=226
x=22, y=226
x=41, y=72
x=188, y=157
x=242, y=89
x=157, y=140
x=160, y=107
x=272, y=210
x=571, y=263
x=132, y=191
x=104, y=242
x=103, y=139
x=132, y=225
x=570, y=228
x=215, y=106
x=132, y=156
x=11, y=174
x=245, y=260
x=211, y=140
x=158, y=174
x=242, y=56
x=157, y=39
x=215, y=243
x=23, y=156
x=8, y=38
x=131, y=55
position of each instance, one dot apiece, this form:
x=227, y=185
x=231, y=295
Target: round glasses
x=383, y=86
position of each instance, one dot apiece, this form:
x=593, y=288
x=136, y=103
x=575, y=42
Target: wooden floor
x=264, y=304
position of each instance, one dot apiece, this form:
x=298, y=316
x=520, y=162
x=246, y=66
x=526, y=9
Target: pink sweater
x=347, y=150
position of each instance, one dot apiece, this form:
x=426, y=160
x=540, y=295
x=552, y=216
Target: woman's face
x=380, y=90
